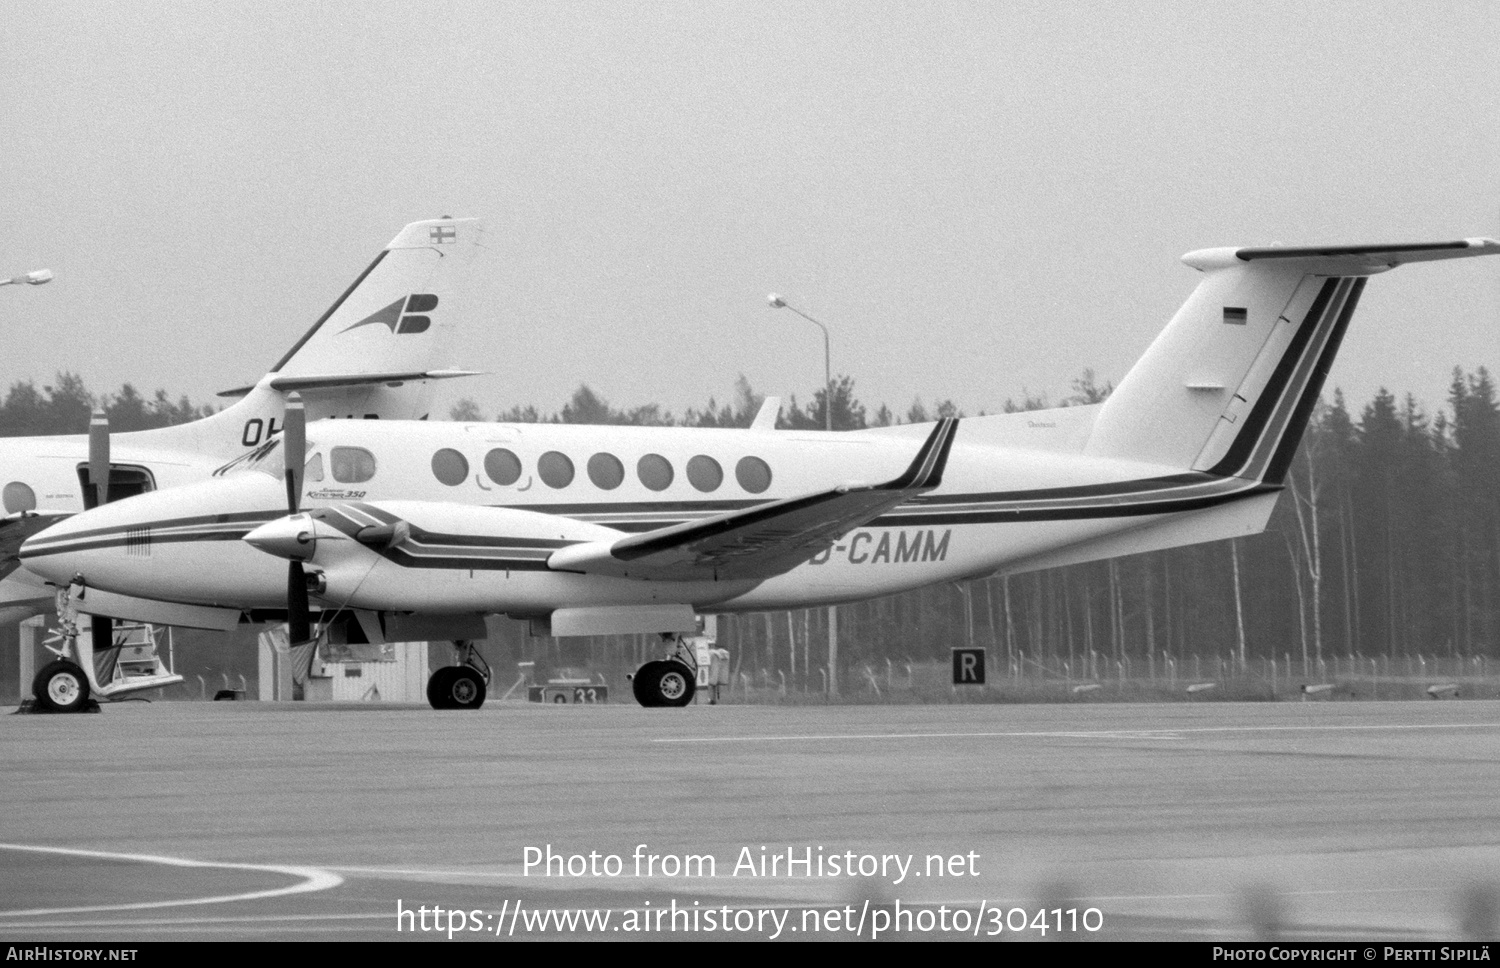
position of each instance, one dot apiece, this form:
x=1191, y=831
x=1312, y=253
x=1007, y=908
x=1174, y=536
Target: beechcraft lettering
x=643, y=529
x=865, y=547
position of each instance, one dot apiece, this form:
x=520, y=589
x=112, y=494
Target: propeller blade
x=99, y=457
x=294, y=439
x=298, y=614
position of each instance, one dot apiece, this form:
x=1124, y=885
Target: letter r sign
x=968, y=667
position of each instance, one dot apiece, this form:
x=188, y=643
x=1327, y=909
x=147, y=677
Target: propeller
x=294, y=442
x=101, y=629
x=99, y=457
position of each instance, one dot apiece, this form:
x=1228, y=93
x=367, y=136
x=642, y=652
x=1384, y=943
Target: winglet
x=926, y=470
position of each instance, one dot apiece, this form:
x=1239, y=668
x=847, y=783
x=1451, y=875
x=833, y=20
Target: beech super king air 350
x=418, y=530
x=371, y=355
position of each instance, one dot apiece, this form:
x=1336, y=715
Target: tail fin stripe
x=1241, y=450
x=1337, y=316
x=1275, y=471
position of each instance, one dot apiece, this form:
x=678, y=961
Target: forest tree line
x=1386, y=540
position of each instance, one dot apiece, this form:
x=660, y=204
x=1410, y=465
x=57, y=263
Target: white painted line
x=1174, y=733
x=313, y=879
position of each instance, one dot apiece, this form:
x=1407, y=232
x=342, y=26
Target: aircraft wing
x=16, y=528
x=762, y=541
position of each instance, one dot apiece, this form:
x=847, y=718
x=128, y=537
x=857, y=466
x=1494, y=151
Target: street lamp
x=36, y=278
x=776, y=302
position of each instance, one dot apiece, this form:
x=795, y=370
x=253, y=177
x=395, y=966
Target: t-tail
x=1205, y=426
x=374, y=354
x=1226, y=390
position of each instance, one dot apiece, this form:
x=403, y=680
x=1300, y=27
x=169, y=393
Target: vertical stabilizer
x=1228, y=386
x=374, y=354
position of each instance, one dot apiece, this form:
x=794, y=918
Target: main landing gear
x=461, y=686
x=670, y=681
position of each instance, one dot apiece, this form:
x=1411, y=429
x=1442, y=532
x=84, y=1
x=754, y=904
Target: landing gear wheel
x=642, y=684
x=61, y=687
x=456, y=687
x=664, y=683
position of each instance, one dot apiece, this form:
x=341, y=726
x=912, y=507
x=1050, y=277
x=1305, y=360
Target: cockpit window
x=351, y=465
x=266, y=458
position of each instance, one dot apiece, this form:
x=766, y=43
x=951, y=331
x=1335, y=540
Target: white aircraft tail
x=373, y=354
x=1228, y=386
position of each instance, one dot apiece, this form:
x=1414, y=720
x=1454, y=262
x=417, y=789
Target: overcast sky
x=978, y=199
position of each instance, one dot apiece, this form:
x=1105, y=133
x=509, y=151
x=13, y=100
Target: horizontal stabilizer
x=762, y=541
x=339, y=381
x=1388, y=256
x=1344, y=260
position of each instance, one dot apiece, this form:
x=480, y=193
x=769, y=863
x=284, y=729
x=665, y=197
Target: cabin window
x=503, y=467
x=753, y=474
x=313, y=470
x=19, y=497
x=704, y=473
x=352, y=465
x=450, y=467
x=606, y=471
x=555, y=469
x=654, y=471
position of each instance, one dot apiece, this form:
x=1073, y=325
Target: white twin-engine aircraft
x=417, y=530
x=371, y=355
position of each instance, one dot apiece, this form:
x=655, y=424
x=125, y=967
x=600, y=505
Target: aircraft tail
x=374, y=354
x=1228, y=386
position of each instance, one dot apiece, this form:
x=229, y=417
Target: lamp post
x=36, y=278
x=776, y=302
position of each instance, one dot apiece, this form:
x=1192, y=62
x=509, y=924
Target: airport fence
x=1101, y=678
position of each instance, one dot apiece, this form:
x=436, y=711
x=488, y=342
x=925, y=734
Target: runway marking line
x=313, y=879
x=1175, y=733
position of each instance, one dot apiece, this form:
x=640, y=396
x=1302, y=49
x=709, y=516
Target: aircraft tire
x=642, y=684
x=456, y=687
x=664, y=683
x=61, y=687
x=437, y=686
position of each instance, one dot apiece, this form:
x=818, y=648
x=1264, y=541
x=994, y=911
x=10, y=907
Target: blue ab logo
x=402, y=316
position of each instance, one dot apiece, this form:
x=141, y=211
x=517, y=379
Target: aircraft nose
x=294, y=537
x=43, y=557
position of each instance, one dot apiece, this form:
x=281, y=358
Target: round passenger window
x=606, y=471
x=704, y=473
x=753, y=474
x=351, y=465
x=555, y=469
x=503, y=467
x=654, y=471
x=450, y=467
x=19, y=497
